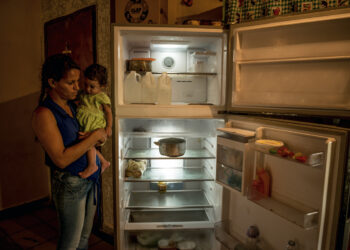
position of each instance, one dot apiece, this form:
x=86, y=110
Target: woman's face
x=67, y=88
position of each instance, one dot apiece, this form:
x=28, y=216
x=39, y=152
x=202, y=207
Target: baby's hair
x=96, y=72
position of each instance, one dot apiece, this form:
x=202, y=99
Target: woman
x=55, y=126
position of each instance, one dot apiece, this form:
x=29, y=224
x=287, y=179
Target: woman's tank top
x=69, y=129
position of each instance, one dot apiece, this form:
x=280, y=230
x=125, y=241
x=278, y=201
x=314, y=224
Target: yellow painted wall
x=23, y=175
x=20, y=47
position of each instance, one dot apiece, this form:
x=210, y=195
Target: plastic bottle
x=164, y=89
x=149, y=88
x=132, y=88
x=291, y=245
x=253, y=238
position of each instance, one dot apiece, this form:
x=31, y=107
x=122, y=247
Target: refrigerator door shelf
x=303, y=216
x=154, y=154
x=168, y=220
x=223, y=235
x=168, y=200
x=314, y=160
x=173, y=174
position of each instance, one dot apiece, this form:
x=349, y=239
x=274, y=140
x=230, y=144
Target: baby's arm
x=109, y=118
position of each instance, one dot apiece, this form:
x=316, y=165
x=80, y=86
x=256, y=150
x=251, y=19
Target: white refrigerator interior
x=175, y=197
x=192, y=58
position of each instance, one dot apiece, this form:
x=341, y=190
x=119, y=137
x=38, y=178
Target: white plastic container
x=164, y=90
x=132, y=88
x=149, y=89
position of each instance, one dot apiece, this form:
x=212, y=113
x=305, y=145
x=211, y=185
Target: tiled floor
x=35, y=226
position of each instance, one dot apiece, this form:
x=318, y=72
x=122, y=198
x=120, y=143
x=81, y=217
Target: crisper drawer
x=201, y=239
x=168, y=219
x=232, y=163
x=229, y=176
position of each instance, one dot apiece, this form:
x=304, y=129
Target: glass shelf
x=154, y=154
x=168, y=216
x=168, y=219
x=173, y=174
x=165, y=134
x=302, y=216
x=180, y=73
x=168, y=199
x=315, y=165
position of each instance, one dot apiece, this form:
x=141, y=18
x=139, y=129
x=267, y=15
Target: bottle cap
x=253, y=232
x=291, y=243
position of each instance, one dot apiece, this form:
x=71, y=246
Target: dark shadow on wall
x=23, y=175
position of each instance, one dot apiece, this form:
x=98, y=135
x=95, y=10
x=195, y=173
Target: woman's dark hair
x=55, y=67
x=96, y=72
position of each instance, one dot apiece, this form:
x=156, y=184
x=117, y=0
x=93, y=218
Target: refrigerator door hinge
x=223, y=112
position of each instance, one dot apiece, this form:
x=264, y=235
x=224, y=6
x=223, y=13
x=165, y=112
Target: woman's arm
x=109, y=118
x=45, y=128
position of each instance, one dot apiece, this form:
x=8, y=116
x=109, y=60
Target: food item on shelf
x=267, y=145
x=166, y=244
x=162, y=186
x=135, y=168
x=300, y=157
x=263, y=182
x=186, y=245
x=284, y=152
x=149, y=239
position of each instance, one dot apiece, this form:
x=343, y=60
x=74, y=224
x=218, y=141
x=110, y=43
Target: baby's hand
x=109, y=131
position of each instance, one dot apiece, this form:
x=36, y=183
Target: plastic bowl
x=186, y=245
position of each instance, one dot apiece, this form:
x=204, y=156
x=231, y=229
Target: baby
x=94, y=111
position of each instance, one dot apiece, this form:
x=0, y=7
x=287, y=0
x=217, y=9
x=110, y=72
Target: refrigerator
x=262, y=108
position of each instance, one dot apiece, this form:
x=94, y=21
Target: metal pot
x=140, y=64
x=172, y=147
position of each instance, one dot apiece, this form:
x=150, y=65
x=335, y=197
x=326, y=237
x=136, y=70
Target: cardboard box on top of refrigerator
x=140, y=11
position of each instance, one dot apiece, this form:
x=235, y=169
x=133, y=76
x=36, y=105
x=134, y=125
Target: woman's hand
x=109, y=131
x=101, y=135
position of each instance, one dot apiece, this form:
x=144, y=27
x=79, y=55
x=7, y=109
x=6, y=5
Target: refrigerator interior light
x=169, y=44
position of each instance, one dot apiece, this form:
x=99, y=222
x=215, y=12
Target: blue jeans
x=74, y=201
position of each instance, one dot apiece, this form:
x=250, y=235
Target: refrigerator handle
x=329, y=157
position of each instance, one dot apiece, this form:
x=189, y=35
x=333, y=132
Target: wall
x=56, y=8
x=23, y=176
x=176, y=9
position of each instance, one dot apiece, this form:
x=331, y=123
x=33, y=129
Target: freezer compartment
x=168, y=199
x=148, y=240
x=168, y=219
x=188, y=67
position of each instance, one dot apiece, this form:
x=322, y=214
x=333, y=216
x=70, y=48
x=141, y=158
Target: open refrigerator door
x=290, y=184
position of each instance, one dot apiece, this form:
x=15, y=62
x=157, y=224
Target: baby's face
x=92, y=87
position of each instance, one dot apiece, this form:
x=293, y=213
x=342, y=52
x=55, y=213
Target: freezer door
x=297, y=64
